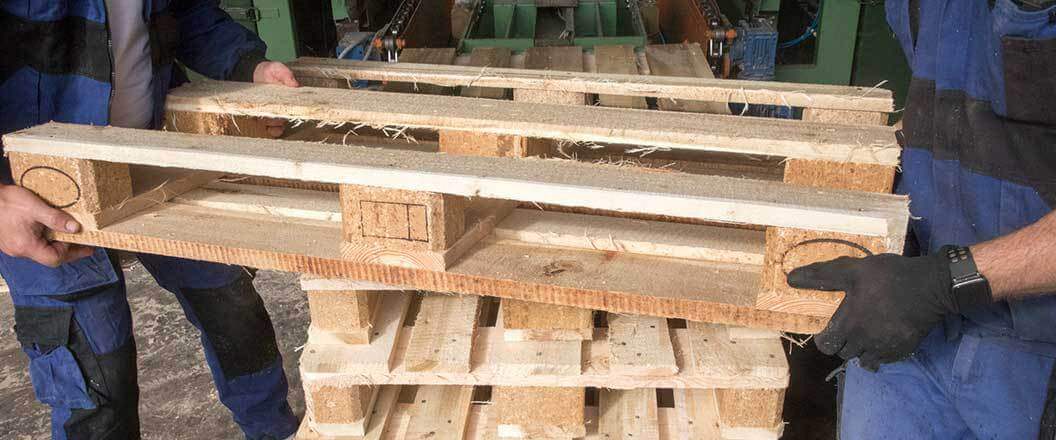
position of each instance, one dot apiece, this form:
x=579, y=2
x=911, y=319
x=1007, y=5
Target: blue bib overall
x=979, y=162
x=74, y=321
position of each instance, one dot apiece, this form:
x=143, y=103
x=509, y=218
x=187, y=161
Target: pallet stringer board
x=343, y=72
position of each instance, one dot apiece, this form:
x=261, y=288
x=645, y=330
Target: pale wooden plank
x=423, y=55
x=708, y=348
x=628, y=414
x=552, y=58
x=316, y=283
x=487, y=58
x=697, y=415
x=375, y=357
x=565, y=183
x=439, y=412
x=704, y=89
x=641, y=346
x=443, y=334
x=614, y=234
x=686, y=59
x=618, y=59
x=687, y=131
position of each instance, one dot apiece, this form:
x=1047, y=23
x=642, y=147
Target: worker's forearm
x=1021, y=263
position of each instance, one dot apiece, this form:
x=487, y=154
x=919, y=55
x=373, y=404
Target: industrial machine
x=814, y=41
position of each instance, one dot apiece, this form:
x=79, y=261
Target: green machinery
x=272, y=20
x=290, y=28
x=520, y=24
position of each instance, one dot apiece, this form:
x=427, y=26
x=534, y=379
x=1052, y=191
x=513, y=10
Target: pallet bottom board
x=616, y=282
x=682, y=421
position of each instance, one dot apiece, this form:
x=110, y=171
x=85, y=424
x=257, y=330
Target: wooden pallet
x=450, y=344
x=641, y=414
x=446, y=342
x=254, y=229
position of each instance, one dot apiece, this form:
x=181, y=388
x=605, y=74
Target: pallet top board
x=559, y=182
x=587, y=124
x=704, y=89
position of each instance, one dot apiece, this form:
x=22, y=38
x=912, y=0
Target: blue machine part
x=755, y=49
x=353, y=46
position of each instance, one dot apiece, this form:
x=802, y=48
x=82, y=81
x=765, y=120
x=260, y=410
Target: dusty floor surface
x=178, y=401
x=177, y=398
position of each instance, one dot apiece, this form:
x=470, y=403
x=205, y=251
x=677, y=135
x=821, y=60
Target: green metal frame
x=512, y=24
x=836, y=38
x=272, y=20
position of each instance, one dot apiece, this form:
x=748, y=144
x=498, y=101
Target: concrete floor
x=178, y=401
x=177, y=398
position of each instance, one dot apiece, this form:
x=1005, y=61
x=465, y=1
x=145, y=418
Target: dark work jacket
x=55, y=65
x=980, y=135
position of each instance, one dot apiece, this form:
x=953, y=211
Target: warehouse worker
x=96, y=62
x=960, y=342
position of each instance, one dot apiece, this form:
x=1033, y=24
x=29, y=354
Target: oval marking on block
x=53, y=185
x=820, y=249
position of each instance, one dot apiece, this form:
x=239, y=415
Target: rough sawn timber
x=675, y=130
x=559, y=182
x=343, y=72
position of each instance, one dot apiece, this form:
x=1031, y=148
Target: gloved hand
x=891, y=303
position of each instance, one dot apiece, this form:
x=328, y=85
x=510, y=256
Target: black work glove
x=891, y=304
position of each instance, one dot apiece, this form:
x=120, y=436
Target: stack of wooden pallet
x=635, y=291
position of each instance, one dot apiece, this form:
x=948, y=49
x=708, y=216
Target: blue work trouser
x=973, y=387
x=83, y=355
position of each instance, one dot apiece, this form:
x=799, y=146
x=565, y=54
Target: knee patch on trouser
x=100, y=390
x=236, y=324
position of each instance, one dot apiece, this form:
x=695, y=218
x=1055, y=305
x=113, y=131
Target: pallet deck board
x=557, y=182
x=705, y=89
x=591, y=124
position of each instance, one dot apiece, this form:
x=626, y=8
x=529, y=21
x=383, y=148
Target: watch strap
x=969, y=287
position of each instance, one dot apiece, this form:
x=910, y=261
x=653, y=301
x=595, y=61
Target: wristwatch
x=970, y=288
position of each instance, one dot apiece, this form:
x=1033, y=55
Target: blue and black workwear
x=74, y=321
x=979, y=162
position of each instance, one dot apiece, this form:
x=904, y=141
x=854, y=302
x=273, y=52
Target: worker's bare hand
x=274, y=72
x=24, y=220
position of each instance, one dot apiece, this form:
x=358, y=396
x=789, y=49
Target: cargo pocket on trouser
x=1030, y=79
x=57, y=378
x=98, y=393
